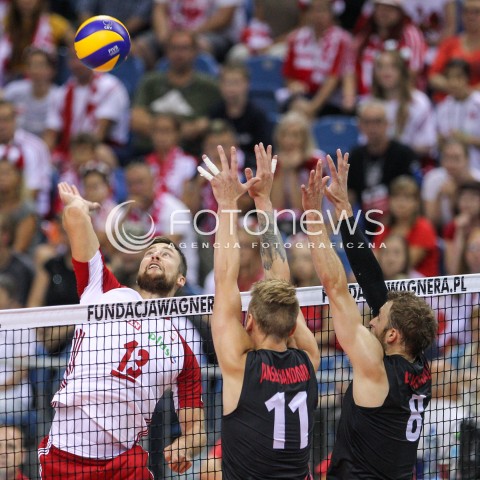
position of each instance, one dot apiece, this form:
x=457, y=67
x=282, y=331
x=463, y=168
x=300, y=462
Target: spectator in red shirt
x=465, y=46
x=319, y=61
x=12, y=453
x=387, y=28
x=405, y=220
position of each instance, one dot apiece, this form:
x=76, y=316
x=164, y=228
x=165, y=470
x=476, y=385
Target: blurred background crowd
x=394, y=82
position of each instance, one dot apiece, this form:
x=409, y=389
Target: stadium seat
x=204, y=63
x=265, y=73
x=266, y=101
x=335, y=131
x=130, y=72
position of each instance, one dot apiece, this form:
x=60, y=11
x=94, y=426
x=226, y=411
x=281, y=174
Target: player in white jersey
x=119, y=370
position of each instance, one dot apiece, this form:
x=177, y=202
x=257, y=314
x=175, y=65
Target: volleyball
x=102, y=43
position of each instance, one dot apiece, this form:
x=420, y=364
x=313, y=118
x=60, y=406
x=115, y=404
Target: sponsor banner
x=203, y=304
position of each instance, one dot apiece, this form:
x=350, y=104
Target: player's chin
x=154, y=273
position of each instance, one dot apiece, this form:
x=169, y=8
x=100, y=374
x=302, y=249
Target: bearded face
x=155, y=280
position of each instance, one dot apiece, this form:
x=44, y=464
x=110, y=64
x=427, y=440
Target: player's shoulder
x=121, y=295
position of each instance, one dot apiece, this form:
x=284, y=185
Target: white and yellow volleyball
x=102, y=43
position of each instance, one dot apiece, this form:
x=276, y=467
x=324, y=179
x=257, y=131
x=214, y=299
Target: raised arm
x=272, y=250
x=229, y=337
x=77, y=223
x=363, y=349
x=364, y=265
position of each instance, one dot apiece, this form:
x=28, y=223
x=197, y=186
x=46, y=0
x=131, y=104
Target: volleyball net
x=37, y=347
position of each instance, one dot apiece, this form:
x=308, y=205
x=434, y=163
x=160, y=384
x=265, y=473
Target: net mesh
x=38, y=346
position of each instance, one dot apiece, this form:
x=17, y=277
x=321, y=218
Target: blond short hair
x=274, y=305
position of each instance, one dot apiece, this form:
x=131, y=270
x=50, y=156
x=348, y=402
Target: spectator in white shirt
x=217, y=23
x=22, y=147
x=458, y=116
x=409, y=111
x=439, y=187
x=89, y=102
x=33, y=95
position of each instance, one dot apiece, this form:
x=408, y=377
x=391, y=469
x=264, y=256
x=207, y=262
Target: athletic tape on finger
x=274, y=164
x=204, y=173
x=213, y=168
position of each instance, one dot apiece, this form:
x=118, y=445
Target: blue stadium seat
x=130, y=72
x=204, y=63
x=265, y=100
x=265, y=73
x=335, y=131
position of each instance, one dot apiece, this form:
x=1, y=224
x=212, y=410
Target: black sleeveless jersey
x=381, y=443
x=268, y=435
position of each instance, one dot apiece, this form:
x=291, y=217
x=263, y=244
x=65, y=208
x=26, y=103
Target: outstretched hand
x=226, y=185
x=313, y=193
x=337, y=191
x=266, y=166
x=69, y=193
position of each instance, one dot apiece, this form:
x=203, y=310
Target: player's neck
x=269, y=343
x=399, y=350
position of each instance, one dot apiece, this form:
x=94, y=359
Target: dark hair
x=219, y=126
x=471, y=186
x=175, y=119
x=84, y=138
x=414, y=319
x=459, y=63
x=181, y=31
x=96, y=168
x=21, y=33
x=232, y=66
x=49, y=56
x=183, y=261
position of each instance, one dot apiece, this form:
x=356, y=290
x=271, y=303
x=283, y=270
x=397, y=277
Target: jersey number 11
x=277, y=404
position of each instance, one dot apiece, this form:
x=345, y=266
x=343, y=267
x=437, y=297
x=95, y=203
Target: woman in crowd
x=405, y=220
x=297, y=155
x=387, y=28
x=409, y=111
x=28, y=23
x=394, y=258
x=456, y=232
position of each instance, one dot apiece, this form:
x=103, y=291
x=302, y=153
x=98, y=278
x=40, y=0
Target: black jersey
x=381, y=443
x=268, y=435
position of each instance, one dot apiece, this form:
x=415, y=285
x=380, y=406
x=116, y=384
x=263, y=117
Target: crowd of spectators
x=407, y=72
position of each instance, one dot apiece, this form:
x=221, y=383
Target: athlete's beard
x=160, y=284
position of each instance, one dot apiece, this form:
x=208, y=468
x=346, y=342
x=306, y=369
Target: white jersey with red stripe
x=119, y=370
